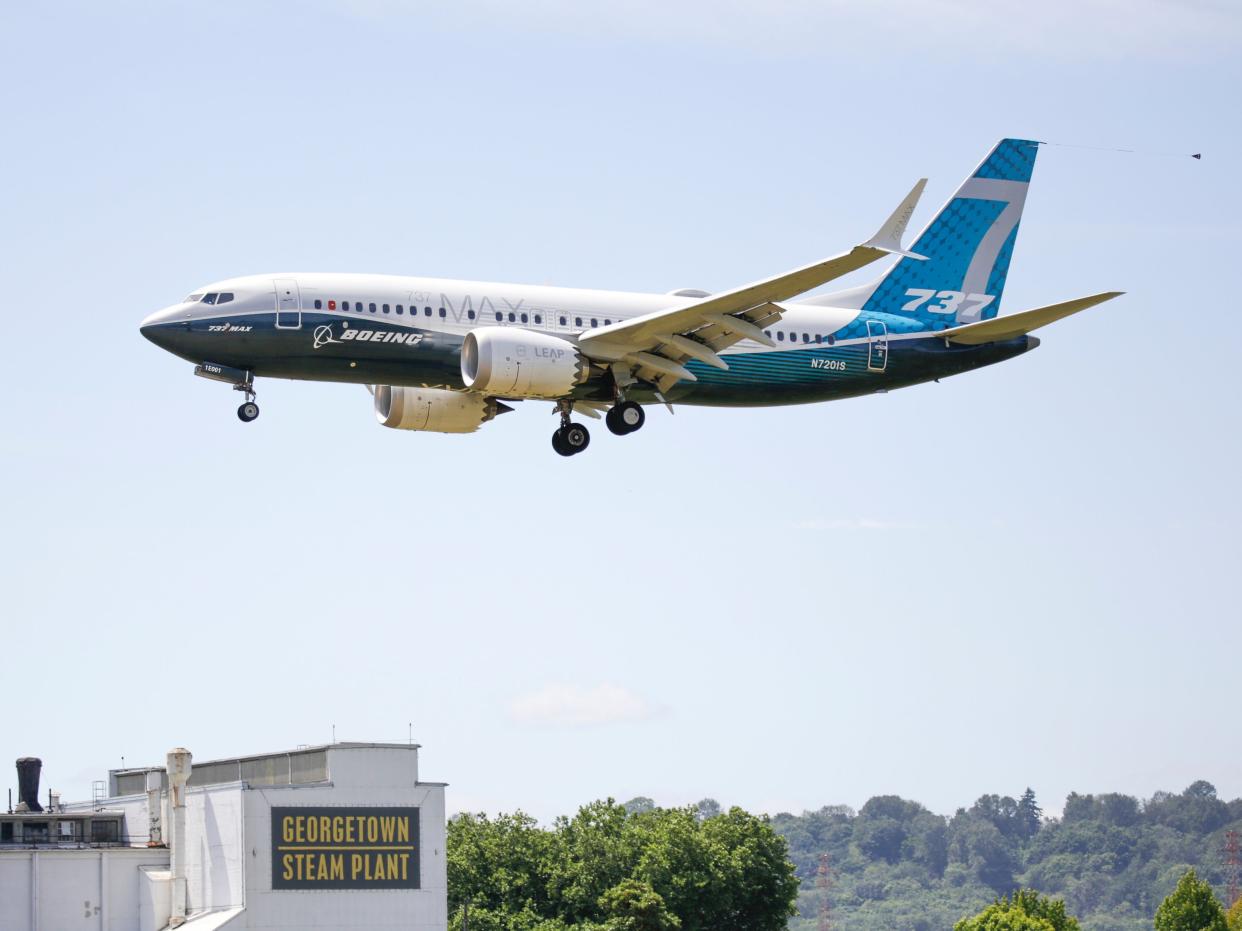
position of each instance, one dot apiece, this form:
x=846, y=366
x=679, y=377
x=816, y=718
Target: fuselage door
x=288, y=303
x=877, y=355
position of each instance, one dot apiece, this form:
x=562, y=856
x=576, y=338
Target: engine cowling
x=516, y=363
x=434, y=409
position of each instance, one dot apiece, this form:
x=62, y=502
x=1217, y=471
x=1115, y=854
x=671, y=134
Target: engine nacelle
x=435, y=409
x=516, y=363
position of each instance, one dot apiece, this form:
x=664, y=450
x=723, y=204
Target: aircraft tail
x=960, y=262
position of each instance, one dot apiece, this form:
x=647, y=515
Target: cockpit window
x=210, y=298
x=225, y=297
x=193, y=299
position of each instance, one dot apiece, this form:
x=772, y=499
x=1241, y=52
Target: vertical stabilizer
x=968, y=246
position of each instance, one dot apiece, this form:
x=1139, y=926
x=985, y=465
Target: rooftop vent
x=28, y=769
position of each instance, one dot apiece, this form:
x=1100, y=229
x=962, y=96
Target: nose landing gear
x=249, y=410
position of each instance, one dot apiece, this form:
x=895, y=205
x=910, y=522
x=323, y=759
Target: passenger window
x=831, y=339
x=806, y=337
x=400, y=309
x=210, y=298
x=373, y=307
x=523, y=318
x=780, y=335
x=344, y=305
x=443, y=312
x=562, y=321
x=385, y=308
x=318, y=304
x=427, y=311
x=512, y=317
x=470, y=314
x=594, y=322
x=499, y=316
x=225, y=297
x=577, y=321
x=607, y=323
x=767, y=333
x=538, y=318
x=819, y=337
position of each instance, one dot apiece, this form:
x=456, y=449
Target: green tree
x=634, y=906
x=1191, y=907
x=1233, y=917
x=1025, y=910
x=1029, y=814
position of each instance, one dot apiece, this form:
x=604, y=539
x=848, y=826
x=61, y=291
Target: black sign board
x=344, y=848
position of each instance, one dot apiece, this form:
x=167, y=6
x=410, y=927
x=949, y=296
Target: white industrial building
x=338, y=836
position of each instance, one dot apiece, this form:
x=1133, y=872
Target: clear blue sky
x=1021, y=576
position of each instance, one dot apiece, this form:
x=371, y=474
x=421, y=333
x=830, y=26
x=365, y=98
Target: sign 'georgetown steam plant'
x=345, y=848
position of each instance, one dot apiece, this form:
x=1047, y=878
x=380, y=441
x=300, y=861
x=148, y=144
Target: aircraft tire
x=575, y=438
x=558, y=443
x=248, y=412
x=626, y=417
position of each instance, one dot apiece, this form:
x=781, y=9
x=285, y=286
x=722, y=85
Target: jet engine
x=435, y=409
x=516, y=363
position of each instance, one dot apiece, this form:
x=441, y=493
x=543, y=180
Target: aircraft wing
x=1019, y=324
x=655, y=346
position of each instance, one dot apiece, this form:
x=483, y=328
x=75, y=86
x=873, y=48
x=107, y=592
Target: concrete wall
x=68, y=890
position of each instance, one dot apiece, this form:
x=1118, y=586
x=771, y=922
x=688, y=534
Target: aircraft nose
x=158, y=327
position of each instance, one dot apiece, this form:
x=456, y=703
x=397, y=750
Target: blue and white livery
x=447, y=356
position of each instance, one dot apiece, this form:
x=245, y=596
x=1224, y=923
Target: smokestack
x=28, y=769
x=179, y=762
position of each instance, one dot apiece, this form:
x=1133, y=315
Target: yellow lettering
x=355, y=865
x=372, y=829
x=338, y=867
x=405, y=865
x=388, y=829
x=394, y=861
x=287, y=862
x=286, y=828
x=338, y=829
x=403, y=828
x=325, y=829
x=299, y=829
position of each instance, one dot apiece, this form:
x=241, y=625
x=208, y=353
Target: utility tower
x=1232, y=863
x=823, y=883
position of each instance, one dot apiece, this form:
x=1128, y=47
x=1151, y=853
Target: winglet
x=888, y=237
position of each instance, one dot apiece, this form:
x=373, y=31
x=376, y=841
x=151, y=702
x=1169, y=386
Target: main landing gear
x=570, y=438
x=626, y=417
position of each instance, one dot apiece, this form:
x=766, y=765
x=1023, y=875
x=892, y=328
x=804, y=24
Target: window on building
x=105, y=832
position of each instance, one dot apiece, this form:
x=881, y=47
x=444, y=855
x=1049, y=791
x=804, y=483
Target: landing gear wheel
x=248, y=412
x=571, y=439
x=626, y=417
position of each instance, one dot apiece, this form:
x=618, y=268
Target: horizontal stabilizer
x=1011, y=325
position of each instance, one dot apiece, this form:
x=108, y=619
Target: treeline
x=892, y=864
x=1112, y=858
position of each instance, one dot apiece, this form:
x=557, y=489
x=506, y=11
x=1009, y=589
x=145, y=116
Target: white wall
x=77, y=889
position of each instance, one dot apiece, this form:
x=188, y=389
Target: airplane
x=448, y=356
